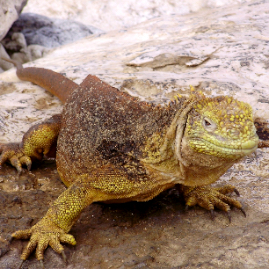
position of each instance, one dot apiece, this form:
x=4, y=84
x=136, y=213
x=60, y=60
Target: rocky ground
x=156, y=234
x=220, y=51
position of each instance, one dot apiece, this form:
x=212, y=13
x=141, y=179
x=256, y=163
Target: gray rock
x=47, y=32
x=9, y=12
x=3, y=64
x=23, y=53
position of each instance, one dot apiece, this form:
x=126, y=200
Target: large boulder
x=9, y=12
x=46, y=32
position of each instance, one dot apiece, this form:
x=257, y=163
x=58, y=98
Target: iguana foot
x=13, y=153
x=45, y=233
x=211, y=198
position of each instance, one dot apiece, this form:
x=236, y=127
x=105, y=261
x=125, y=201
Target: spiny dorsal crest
x=195, y=95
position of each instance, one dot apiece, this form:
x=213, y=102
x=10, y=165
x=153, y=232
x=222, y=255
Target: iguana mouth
x=224, y=149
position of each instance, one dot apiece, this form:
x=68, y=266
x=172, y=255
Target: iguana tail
x=53, y=82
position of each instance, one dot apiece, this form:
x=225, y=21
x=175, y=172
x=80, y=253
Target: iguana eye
x=209, y=125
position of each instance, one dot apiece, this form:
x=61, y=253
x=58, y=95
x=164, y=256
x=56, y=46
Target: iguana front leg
x=211, y=198
x=102, y=184
x=53, y=228
x=40, y=140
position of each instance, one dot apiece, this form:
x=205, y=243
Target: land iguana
x=112, y=147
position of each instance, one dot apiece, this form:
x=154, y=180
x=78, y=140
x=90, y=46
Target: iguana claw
x=243, y=211
x=41, y=264
x=22, y=262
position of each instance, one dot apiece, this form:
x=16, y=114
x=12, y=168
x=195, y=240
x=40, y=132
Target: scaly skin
x=111, y=147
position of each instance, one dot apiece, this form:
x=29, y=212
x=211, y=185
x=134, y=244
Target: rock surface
x=220, y=51
x=109, y=15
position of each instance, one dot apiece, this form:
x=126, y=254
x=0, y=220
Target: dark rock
x=47, y=32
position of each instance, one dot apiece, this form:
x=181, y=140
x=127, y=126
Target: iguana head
x=206, y=136
x=221, y=126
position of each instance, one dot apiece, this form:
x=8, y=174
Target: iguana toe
x=13, y=153
x=26, y=160
x=14, y=160
x=227, y=189
x=68, y=239
x=22, y=234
